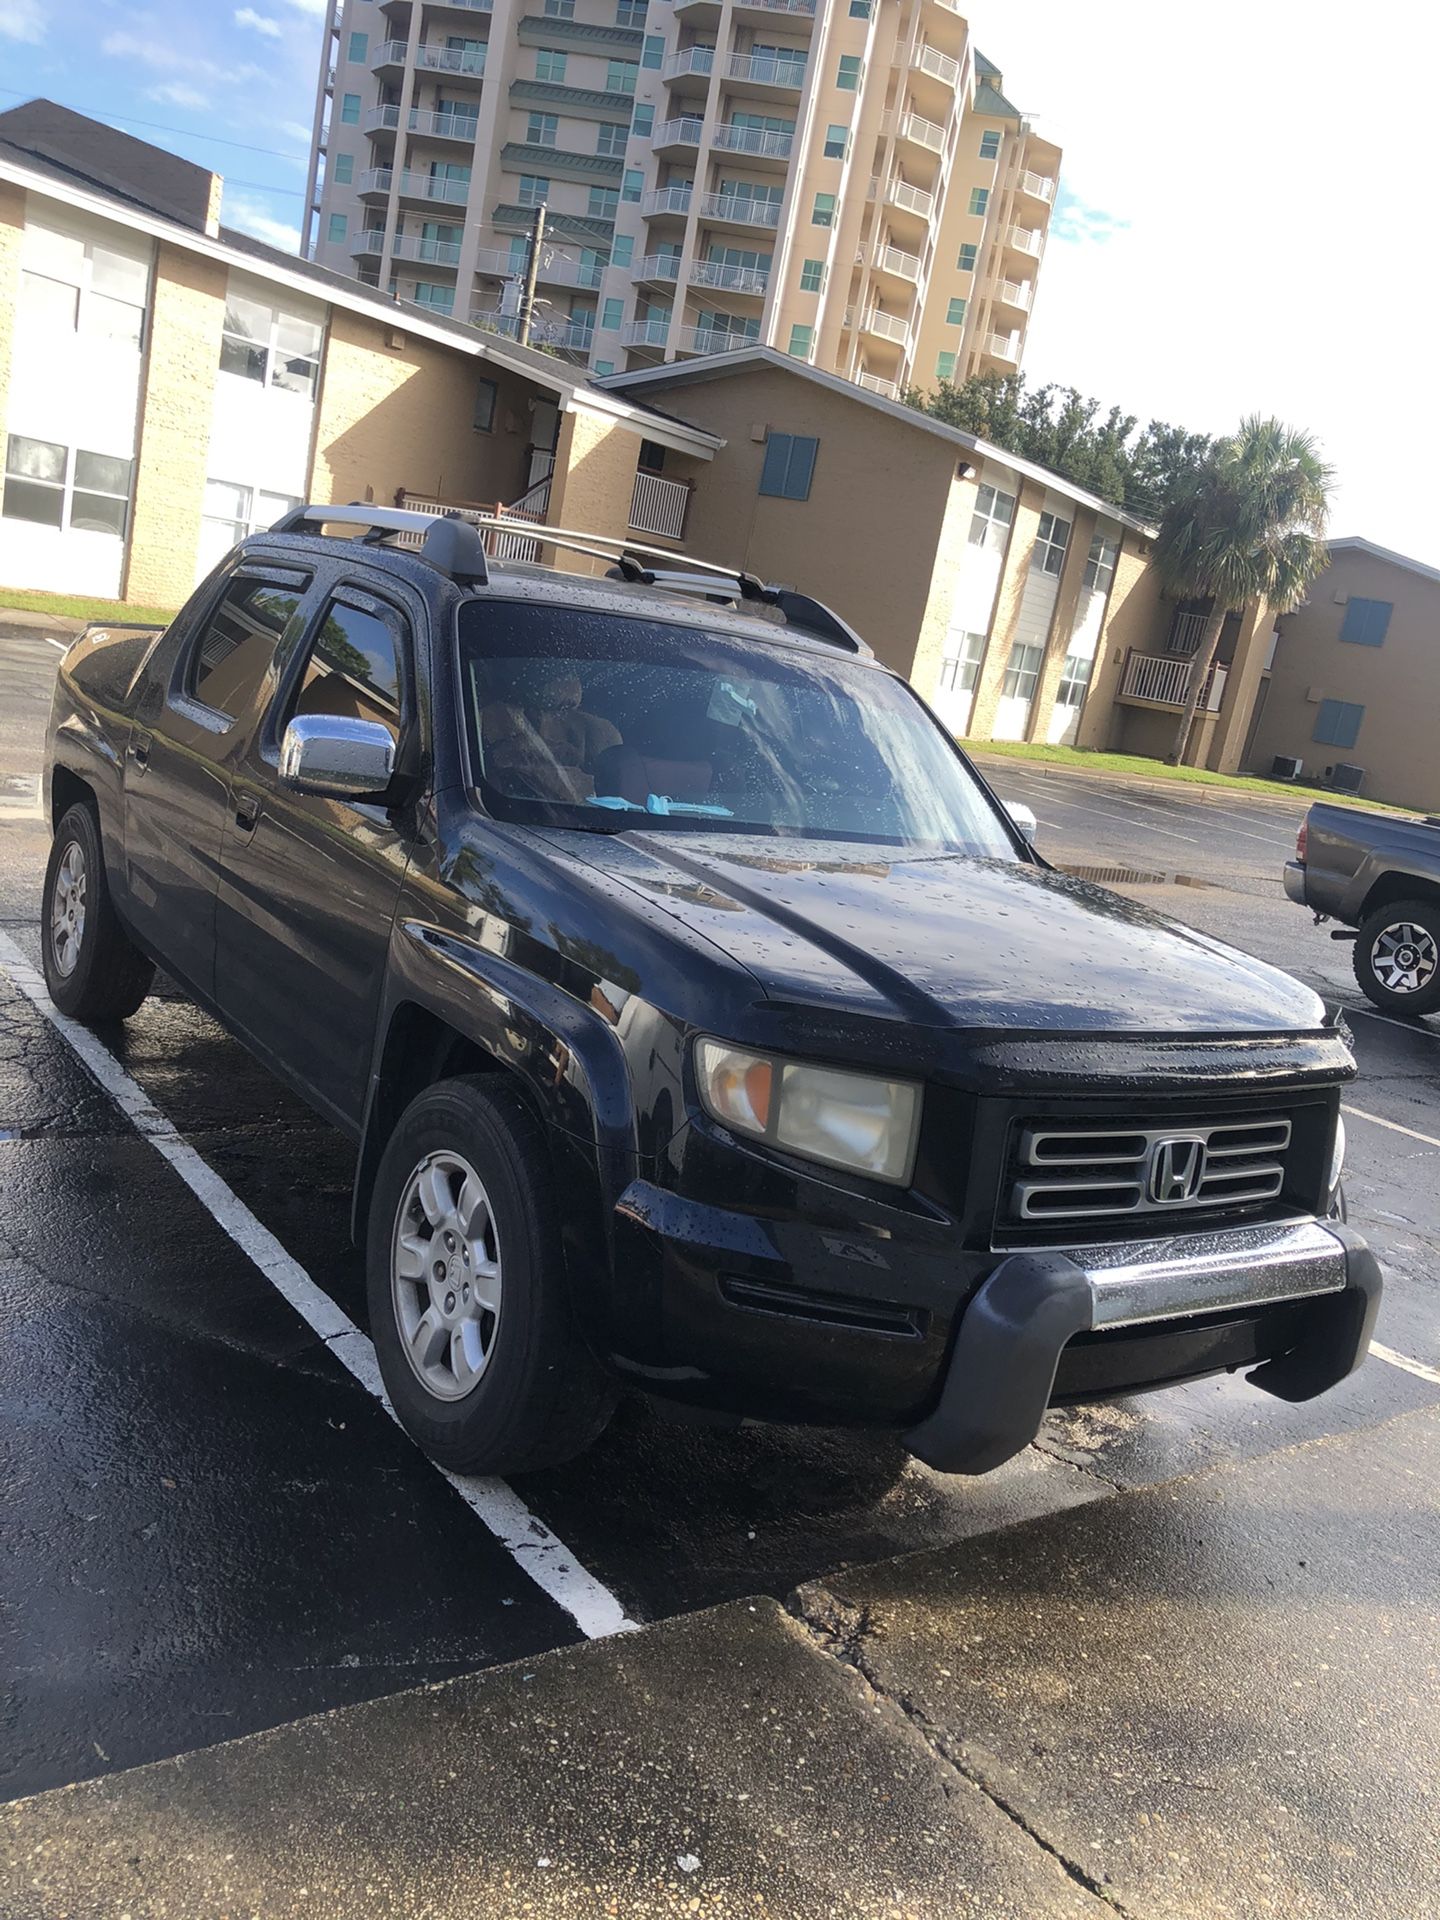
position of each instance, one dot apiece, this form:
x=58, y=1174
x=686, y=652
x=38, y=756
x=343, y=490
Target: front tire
x=92, y=969
x=1397, y=957
x=469, y=1311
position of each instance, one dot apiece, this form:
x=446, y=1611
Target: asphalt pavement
x=213, y=1528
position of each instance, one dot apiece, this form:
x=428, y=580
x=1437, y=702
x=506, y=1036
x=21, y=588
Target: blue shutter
x=789, y=465
x=1338, y=723
x=1366, y=622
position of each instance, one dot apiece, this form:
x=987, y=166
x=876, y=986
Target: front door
x=185, y=737
x=309, y=886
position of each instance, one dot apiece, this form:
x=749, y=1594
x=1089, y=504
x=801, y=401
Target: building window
x=822, y=213
x=633, y=184
x=990, y=144
x=1100, y=566
x=350, y=109
x=959, y=671
x=642, y=124
x=789, y=465
x=990, y=522
x=966, y=262
x=945, y=366
x=550, y=65
x=623, y=252
x=336, y=230
x=1051, y=540
x=69, y=285
x=812, y=276
x=837, y=142
x=611, y=137
x=1366, y=622
x=848, y=77
x=541, y=129
x=860, y=9
x=630, y=13
x=604, y=202
x=604, y=367
x=611, y=315
x=50, y=485
x=534, y=190
x=487, y=394
x=1022, y=670
x=801, y=340
x=359, y=47
x=1338, y=723
x=955, y=313
x=621, y=76
x=979, y=199
x=270, y=346
x=344, y=169
x=559, y=9
x=1074, y=679
x=653, y=51
x=429, y=293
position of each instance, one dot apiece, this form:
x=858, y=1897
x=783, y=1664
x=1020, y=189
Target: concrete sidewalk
x=1211, y=1698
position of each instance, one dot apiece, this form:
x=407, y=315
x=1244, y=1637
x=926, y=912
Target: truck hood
x=948, y=940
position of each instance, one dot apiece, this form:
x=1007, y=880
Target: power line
x=160, y=126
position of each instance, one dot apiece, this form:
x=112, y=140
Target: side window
x=354, y=667
x=238, y=641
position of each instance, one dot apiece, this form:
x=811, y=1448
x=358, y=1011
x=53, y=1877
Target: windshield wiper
x=658, y=803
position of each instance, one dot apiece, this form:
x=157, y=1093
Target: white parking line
x=1405, y=1026
x=1405, y=1363
x=1391, y=1126
x=546, y=1559
x=63, y=646
x=1189, y=807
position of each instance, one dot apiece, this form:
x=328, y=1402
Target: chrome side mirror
x=1023, y=818
x=339, y=759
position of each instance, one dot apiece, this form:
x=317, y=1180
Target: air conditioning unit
x=1282, y=767
x=1346, y=778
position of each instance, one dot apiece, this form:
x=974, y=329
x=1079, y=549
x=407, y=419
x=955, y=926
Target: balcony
x=928, y=134
x=754, y=141
x=766, y=70
x=666, y=200
x=739, y=210
x=430, y=253
x=715, y=340
x=443, y=6
x=708, y=11
x=1187, y=630
x=1026, y=240
x=659, y=506
x=1037, y=186
x=1004, y=346
x=684, y=132
x=434, y=126
x=645, y=333
x=508, y=216
x=900, y=265
x=872, y=383
x=467, y=63
x=566, y=336
x=1163, y=680
x=664, y=267
x=696, y=62
x=415, y=186
x=390, y=53
x=940, y=66
x=886, y=326
x=368, y=244
x=1015, y=293
x=554, y=270
x=805, y=9
x=728, y=279
x=899, y=193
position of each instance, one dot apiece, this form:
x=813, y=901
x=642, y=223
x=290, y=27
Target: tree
x=1248, y=525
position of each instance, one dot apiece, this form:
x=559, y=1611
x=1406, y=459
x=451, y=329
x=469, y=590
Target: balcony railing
x=1004, y=346
x=700, y=60
x=899, y=193
x=1187, y=630
x=555, y=268
x=1165, y=680
x=740, y=209
x=872, y=383
x=715, y=340
x=684, y=132
x=433, y=253
x=753, y=140
x=940, y=66
x=645, y=333
x=893, y=260
x=415, y=186
x=656, y=266
x=922, y=133
x=767, y=69
x=886, y=326
x=571, y=336
x=728, y=279
x=667, y=200
x=806, y=7
x=369, y=240
x=659, y=506
x=1015, y=293
x=466, y=60
x=1027, y=240
x=440, y=126
x=1038, y=185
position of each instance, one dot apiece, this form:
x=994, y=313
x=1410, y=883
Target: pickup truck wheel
x=92, y=970
x=469, y=1313
x=1397, y=957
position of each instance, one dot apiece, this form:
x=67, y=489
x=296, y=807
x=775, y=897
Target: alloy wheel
x=1404, y=957
x=67, y=909
x=445, y=1279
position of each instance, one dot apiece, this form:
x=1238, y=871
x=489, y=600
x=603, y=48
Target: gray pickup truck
x=1378, y=873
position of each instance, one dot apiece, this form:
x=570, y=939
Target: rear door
x=309, y=886
x=189, y=726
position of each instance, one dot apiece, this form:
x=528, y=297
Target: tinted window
x=238, y=643
x=354, y=668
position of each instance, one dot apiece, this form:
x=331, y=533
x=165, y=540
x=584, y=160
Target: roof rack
x=451, y=543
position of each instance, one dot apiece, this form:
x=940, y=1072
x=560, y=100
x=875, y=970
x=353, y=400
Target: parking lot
x=214, y=1527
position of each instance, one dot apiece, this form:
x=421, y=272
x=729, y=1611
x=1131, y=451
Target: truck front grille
x=1077, y=1172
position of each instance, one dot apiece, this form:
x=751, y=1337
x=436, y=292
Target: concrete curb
x=55, y=623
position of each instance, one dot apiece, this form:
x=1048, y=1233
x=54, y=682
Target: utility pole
x=532, y=271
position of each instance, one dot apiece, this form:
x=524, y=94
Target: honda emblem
x=1177, y=1168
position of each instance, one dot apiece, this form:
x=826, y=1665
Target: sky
x=1245, y=223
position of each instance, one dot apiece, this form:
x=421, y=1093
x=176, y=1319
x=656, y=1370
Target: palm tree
x=1249, y=526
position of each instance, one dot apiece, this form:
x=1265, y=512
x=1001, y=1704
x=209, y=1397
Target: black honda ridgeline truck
x=706, y=1026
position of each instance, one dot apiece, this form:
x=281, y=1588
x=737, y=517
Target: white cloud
x=296, y=130
x=252, y=218
x=175, y=93
x=152, y=49
x=24, y=20
x=260, y=22
x=316, y=8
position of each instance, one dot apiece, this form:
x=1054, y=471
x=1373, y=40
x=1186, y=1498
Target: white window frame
x=274, y=354
x=87, y=294
x=1022, y=670
x=1051, y=547
x=67, y=488
x=1074, y=680
x=989, y=525
x=254, y=518
x=960, y=671
x=1101, y=564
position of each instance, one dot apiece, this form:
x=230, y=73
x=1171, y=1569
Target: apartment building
x=843, y=180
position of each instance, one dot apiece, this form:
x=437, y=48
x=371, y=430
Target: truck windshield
x=600, y=721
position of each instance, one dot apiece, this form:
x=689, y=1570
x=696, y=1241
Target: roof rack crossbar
x=451, y=543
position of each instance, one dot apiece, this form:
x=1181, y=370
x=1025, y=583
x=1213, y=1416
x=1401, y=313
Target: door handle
x=247, y=812
x=140, y=749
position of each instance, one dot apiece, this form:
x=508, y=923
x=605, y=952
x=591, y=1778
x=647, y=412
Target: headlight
x=852, y=1120
x=1337, y=1159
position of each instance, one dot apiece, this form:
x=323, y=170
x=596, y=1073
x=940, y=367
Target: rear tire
x=92, y=969
x=1397, y=957
x=469, y=1308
